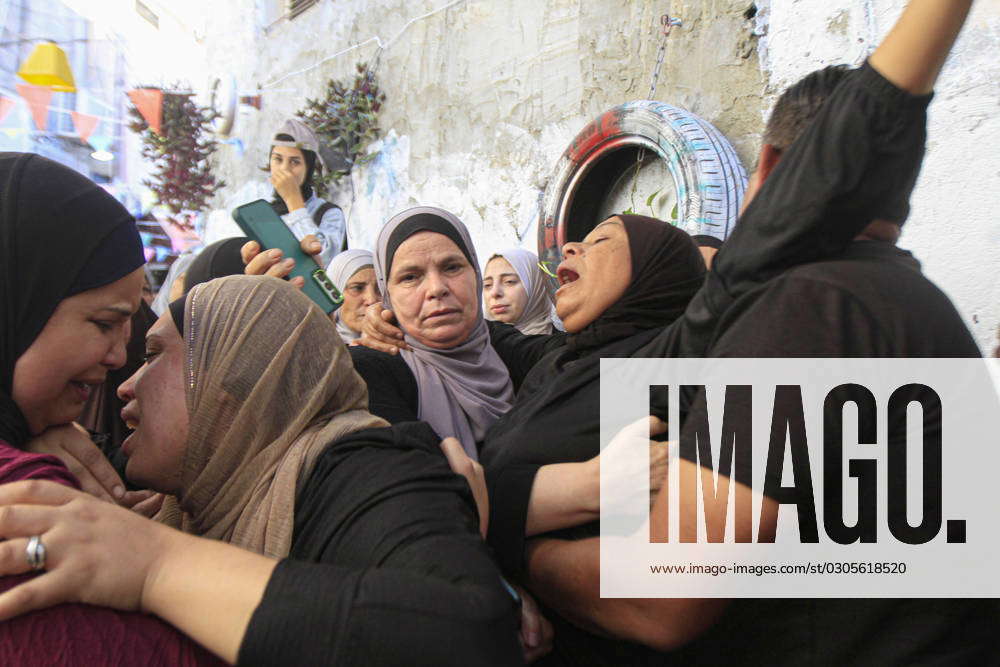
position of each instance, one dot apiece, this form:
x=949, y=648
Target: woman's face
x=433, y=290
x=593, y=275
x=503, y=291
x=156, y=408
x=360, y=292
x=289, y=159
x=83, y=339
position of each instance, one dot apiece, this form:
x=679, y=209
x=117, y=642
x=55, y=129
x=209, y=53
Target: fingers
x=14, y=556
x=132, y=498
x=531, y=625
x=249, y=250
x=377, y=345
x=379, y=333
x=546, y=635
x=35, y=593
x=457, y=458
x=96, y=474
x=150, y=506
x=22, y=521
x=269, y=263
x=657, y=425
x=310, y=245
x=36, y=492
x=281, y=269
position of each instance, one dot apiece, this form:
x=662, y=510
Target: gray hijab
x=465, y=389
x=340, y=270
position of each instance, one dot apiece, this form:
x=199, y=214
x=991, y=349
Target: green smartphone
x=260, y=222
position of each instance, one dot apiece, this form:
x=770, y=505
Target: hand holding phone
x=260, y=222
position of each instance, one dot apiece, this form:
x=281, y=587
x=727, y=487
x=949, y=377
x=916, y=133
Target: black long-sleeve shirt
x=386, y=565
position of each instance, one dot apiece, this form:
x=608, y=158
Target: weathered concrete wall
x=484, y=96
x=953, y=227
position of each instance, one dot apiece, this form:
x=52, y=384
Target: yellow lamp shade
x=48, y=66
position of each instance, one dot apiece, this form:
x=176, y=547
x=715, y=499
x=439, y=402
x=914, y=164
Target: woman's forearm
x=563, y=495
x=208, y=590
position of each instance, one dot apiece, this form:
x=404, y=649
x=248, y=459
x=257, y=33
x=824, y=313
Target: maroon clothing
x=81, y=634
x=16, y=465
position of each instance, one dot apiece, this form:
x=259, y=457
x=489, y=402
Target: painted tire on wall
x=708, y=177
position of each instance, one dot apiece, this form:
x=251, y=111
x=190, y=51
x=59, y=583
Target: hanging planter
x=346, y=122
x=182, y=181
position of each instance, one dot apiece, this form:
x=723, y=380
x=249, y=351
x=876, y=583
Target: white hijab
x=536, y=318
x=340, y=270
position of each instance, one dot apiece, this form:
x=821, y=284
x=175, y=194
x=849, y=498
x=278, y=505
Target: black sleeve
x=392, y=389
x=794, y=318
x=520, y=352
x=857, y=161
x=509, y=518
x=398, y=574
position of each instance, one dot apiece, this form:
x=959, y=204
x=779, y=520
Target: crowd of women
x=408, y=498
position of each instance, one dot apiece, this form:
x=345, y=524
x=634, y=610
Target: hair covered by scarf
x=216, y=260
x=60, y=234
x=299, y=136
x=269, y=384
x=462, y=390
x=536, y=318
x=340, y=270
x=667, y=271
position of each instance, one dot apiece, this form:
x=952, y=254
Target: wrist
x=160, y=580
x=294, y=201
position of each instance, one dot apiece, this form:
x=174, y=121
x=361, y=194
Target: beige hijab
x=269, y=386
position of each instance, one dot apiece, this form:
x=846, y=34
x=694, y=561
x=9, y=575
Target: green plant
x=183, y=179
x=346, y=120
x=652, y=210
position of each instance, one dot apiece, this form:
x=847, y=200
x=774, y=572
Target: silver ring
x=36, y=553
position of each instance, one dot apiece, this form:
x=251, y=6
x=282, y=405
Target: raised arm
x=912, y=54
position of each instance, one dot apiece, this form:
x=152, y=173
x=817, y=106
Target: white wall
x=484, y=96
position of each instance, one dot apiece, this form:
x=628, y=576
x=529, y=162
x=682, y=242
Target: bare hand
x=379, y=332
x=287, y=188
x=270, y=263
x=536, y=632
x=72, y=445
x=97, y=553
x=462, y=465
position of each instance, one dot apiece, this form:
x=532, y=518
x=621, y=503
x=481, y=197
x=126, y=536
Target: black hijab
x=558, y=403
x=667, y=270
x=60, y=234
x=218, y=260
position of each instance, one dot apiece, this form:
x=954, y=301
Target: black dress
x=386, y=565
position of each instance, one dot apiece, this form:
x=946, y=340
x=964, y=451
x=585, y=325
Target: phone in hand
x=262, y=224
